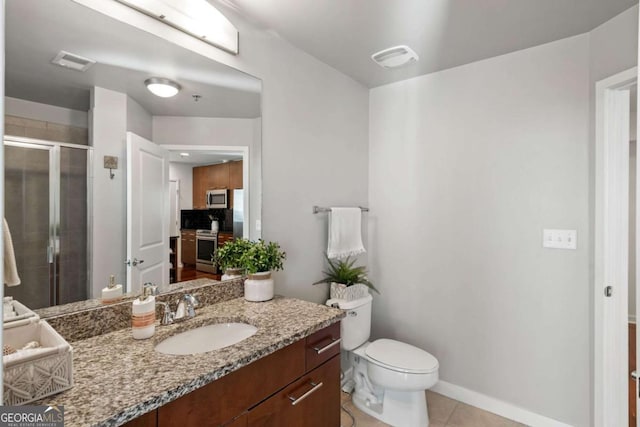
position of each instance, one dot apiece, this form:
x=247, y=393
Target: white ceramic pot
x=348, y=293
x=232, y=273
x=259, y=287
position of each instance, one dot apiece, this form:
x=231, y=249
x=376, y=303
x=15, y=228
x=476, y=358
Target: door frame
x=611, y=236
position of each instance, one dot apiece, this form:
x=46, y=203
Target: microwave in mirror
x=217, y=199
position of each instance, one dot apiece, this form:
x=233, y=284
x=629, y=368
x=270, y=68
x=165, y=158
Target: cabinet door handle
x=295, y=401
x=334, y=342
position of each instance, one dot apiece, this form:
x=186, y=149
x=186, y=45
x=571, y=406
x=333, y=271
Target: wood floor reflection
x=190, y=273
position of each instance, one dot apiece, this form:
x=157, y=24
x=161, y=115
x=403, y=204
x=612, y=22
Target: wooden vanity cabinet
x=276, y=390
x=149, y=419
x=311, y=401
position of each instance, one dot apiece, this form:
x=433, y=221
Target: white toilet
x=390, y=376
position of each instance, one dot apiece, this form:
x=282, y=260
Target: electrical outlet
x=560, y=239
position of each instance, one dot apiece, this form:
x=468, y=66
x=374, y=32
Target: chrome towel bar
x=318, y=209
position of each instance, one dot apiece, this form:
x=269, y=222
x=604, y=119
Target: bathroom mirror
x=75, y=86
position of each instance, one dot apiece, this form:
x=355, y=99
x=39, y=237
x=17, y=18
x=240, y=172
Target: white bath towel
x=11, y=277
x=345, y=233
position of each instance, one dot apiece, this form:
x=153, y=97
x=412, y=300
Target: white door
x=147, y=213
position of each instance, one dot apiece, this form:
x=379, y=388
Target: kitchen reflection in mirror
x=82, y=88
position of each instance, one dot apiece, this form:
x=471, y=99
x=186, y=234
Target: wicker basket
x=30, y=375
x=348, y=293
x=21, y=315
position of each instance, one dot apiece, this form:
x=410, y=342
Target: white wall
x=467, y=166
x=108, y=136
x=184, y=173
x=314, y=140
x=203, y=131
x=45, y=112
x=139, y=121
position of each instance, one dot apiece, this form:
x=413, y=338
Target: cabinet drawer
x=322, y=346
x=312, y=401
x=219, y=402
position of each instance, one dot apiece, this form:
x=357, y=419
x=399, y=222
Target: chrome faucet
x=186, y=309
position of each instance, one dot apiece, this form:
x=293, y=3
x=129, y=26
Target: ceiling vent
x=396, y=56
x=73, y=61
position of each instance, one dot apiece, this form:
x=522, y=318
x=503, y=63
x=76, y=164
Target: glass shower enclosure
x=46, y=208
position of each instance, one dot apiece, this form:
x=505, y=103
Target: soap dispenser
x=143, y=317
x=111, y=293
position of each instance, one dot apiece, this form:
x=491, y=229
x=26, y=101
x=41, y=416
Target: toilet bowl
x=390, y=377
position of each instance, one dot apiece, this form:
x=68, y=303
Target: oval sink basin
x=206, y=338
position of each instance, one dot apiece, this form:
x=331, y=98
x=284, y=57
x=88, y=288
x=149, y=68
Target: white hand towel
x=11, y=277
x=345, y=232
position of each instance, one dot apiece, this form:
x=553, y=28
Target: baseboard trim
x=497, y=406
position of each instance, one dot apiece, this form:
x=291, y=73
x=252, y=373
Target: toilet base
x=399, y=408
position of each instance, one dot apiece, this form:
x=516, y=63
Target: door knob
x=134, y=262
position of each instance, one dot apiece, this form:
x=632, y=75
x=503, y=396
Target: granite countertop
x=117, y=378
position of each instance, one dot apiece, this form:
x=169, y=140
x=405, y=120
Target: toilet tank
x=356, y=327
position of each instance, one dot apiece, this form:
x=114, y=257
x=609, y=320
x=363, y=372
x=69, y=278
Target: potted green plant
x=259, y=260
x=347, y=282
x=228, y=257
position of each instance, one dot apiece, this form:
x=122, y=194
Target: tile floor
x=442, y=412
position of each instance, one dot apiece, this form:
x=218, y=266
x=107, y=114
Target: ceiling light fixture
x=184, y=154
x=162, y=87
x=198, y=18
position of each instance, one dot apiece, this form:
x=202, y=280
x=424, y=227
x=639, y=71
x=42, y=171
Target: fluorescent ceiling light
x=163, y=88
x=184, y=154
x=195, y=17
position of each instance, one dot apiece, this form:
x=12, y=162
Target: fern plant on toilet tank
x=347, y=282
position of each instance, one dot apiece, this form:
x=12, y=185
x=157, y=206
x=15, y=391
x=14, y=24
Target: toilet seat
x=401, y=357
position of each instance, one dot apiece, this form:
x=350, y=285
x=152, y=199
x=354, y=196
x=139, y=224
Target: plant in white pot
x=347, y=282
x=229, y=258
x=259, y=261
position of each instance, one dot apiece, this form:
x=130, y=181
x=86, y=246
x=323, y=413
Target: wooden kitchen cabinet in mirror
x=189, y=247
x=218, y=177
x=200, y=186
x=235, y=175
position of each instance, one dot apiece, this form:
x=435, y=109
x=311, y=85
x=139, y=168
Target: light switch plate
x=560, y=239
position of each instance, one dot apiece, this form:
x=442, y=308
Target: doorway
x=203, y=225
x=613, y=225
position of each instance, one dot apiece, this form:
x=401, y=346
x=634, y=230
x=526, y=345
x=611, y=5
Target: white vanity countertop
x=117, y=378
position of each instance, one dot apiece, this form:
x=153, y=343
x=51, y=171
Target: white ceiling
x=444, y=33
x=126, y=57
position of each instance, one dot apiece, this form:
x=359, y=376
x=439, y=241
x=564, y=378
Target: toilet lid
x=400, y=356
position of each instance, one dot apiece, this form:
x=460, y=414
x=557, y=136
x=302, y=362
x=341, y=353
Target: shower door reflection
x=46, y=209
